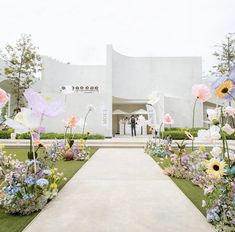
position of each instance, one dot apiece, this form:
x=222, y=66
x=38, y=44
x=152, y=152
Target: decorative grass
x=193, y=192
x=16, y=223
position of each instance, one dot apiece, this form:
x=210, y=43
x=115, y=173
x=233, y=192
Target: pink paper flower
x=201, y=92
x=168, y=120
x=72, y=122
x=3, y=98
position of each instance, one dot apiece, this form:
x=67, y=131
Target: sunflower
x=224, y=89
x=216, y=167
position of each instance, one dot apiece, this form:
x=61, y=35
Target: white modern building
x=123, y=84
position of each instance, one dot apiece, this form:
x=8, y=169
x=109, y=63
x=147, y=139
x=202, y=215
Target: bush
x=178, y=133
x=60, y=136
x=6, y=134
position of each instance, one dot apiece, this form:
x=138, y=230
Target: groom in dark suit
x=133, y=125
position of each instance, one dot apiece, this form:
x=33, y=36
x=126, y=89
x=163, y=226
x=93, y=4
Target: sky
x=77, y=31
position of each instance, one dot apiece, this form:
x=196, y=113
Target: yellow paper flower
x=215, y=168
x=224, y=89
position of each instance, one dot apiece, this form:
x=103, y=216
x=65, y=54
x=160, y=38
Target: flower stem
x=160, y=128
x=231, y=96
x=34, y=158
x=83, y=129
x=194, y=108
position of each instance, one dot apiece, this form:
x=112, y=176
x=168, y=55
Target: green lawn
x=193, y=192
x=10, y=223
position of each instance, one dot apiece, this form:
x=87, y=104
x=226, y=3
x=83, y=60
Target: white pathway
x=120, y=190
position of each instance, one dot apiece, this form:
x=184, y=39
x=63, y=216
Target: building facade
x=125, y=84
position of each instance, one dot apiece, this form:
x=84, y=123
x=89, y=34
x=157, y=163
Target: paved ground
x=120, y=190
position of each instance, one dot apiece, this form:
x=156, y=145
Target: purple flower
x=41, y=106
x=41, y=130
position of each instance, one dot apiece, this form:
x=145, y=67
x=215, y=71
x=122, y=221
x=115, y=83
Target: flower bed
x=214, y=170
x=13, y=223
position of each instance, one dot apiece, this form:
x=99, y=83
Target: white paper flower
x=216, y=151
x=228, y=129
x=90, y=107
x=213, y=114
x=210, y=135
x=24, y=121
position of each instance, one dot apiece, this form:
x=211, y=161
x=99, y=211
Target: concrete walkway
x=120, y=190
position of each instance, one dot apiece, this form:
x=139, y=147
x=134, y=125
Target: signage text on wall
x=79, y=88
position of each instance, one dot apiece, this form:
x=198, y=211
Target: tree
x=22, y=64
x=225, y=55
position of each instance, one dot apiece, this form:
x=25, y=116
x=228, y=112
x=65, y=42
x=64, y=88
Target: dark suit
x=133, y=123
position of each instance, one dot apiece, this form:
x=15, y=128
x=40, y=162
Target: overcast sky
x=77, y=31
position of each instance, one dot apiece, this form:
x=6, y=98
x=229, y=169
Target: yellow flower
x=55, y=177
x=53, y=186
x=215, y=168
x=224, y=89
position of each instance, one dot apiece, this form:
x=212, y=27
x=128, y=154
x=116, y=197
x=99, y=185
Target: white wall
x=56, y=74
x=137, y=77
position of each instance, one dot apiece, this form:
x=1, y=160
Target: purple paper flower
x=41, y=106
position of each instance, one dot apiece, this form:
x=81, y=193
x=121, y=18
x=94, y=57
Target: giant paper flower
x=25, y=121
x=42, y=106
x=213, y=115
x=210, y=135
x=201, y=92
x=168, y=120
x=223, y=87
x=216, y=168
x=72, y=122
x=3, y=98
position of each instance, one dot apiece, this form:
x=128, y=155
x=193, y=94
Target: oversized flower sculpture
x=3, y=98
x=167, y=120
x=27, y=186
x=224, y=88
x=201, y=93
x=42, y=106
x=30, y=119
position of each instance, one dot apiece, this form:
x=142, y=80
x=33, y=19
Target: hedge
x=179, y=134
x=6, y=134
x=60, y=136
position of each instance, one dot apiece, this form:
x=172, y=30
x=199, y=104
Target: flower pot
x=30, y=155
x=69, y=154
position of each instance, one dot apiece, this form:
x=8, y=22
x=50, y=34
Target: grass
x=11, y=223
x=193, y=192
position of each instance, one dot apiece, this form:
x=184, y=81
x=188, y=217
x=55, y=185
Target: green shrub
x=6, y=134
x=52, y=135
x=178, y=133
